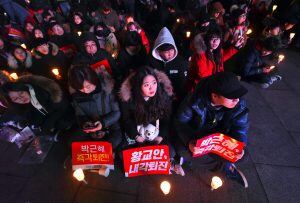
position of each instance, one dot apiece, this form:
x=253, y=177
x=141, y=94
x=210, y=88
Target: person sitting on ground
x=211, y=60
x=253, y=66
x=40, y=102
x=146, y=106
x=96, y=108
x=215, y=106
x=165, y=57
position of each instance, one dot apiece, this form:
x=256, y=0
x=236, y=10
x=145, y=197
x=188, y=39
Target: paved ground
x=272, y=164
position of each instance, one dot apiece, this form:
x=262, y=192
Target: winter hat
x=101, y=33
x=227, y=85
x=38, y=42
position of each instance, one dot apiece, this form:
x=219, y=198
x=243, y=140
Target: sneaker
x=276, y=78
x=234, y=174
x=264, y=85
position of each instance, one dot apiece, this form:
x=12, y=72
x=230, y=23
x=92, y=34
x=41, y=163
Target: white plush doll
x=149, y=132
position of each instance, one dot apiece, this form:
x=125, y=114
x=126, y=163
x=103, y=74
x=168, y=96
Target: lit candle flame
x=24, y=46
x=216, y=182
x=55, y=71
x=188, y=34
x=79, y=33
x=272, y=67
x=280, y=58
x=14, y=76
x=274, y=8
x=178, y=20
x=165, y=186
x=292, y=35
x=249, y=31
x=113, y=55
x=5, y=14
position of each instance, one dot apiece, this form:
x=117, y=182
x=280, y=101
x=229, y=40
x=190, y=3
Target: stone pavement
x=271, y=165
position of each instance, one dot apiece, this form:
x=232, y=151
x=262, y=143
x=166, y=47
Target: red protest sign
x=104, y=63
x=146, y=160
x=92, y=155
x=219, y=144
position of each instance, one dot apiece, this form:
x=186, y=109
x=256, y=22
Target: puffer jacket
x=128, y=107
x=100, y=105
x=197, y=118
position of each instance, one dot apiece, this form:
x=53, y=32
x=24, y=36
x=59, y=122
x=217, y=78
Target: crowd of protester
x=110, y=69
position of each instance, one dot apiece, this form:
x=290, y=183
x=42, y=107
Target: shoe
x=264, y=85
x=234, y=174
x=276, y=78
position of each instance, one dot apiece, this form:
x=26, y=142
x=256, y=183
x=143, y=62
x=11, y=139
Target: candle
x=14, y=76
x=292, y=35
x=79, y=33
x=188, y=34
x=280, y=58
x=216, y=182
x=23, y=46
x=178, y=20
x=272, y=67
x=55, y=71
x=274, y=8
x=79, y=175
x=249, y=31
x=165, y=186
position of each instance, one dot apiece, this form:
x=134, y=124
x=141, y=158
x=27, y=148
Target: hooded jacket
x=43, y=64
x=100, y=58
x=100, y=105
x=175, y=68
x=128, y=106
x=48, y=106
x=197, y=117
x=15, y=65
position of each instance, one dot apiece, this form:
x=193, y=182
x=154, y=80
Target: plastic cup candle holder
x=165, y=187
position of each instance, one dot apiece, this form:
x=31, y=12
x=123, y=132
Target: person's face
x=275, y=31
x=149, y=86
x=132, y=28
x=44, y=49
x=38, y=33
x=241, y=19
x=77, y=19
x=87, y=87
x=223, y=101
x=167, y=55
x=214, y=43
x=90, y=47
x=20, y=54
x=19, y=97
x=29, y=27
x=58, y=30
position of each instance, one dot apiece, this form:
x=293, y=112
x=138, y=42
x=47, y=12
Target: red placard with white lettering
x=104, y=63
x=219, y=144
x=147, y=160
x=92, y=155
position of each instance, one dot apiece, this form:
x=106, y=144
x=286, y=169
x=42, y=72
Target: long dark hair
x=157, y=107
x=216, y=54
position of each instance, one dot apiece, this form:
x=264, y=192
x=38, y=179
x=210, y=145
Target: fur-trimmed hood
x=53, y=48
x=126, y=88
x=13, y=62
x=49, y=85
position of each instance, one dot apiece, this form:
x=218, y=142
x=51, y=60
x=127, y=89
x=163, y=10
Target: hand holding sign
x=220, y=144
